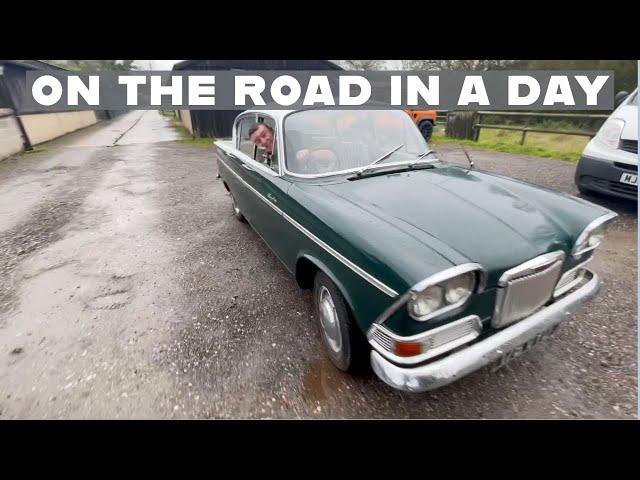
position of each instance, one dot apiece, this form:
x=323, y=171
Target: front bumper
x=604, y=176
x=456, y=365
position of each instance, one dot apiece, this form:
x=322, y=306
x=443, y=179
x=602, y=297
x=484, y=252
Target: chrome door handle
x=245, y=166
x=231, y=155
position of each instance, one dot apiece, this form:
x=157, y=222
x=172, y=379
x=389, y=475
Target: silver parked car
x=609, y=163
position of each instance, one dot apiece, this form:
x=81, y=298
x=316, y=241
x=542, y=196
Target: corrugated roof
x=32, y=64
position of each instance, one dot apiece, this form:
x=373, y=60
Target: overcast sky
x=156, y=64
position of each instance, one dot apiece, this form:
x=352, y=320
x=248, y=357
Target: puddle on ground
x=323, y=381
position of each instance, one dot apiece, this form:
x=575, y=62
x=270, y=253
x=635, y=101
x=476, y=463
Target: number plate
x=629, y=178
x=516, y=352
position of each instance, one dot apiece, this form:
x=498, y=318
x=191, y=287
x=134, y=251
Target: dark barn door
x=213, y=123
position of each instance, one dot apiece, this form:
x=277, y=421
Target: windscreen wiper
x=425, y=154
x=393, y=168
x=378, y=160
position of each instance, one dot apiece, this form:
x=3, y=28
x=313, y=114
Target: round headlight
x=459, y=288
x=425, y=302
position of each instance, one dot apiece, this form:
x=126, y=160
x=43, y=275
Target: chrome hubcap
x=329, y=320
x=236, y=210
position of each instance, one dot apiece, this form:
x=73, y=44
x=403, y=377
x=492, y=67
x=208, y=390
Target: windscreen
x=325, y=142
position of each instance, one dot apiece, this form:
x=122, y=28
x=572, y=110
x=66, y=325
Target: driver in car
x=306, y=160
x=262, y=136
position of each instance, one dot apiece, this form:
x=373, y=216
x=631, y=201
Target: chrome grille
x=568, y=278
x=383, y=339
x=450, y=334
x=434, y=342
x=526, y=288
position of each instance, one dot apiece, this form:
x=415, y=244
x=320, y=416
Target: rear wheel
x=344, y=342
x=236, y=210
x=426, y=129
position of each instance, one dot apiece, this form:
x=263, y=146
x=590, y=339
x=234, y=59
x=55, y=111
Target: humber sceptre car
x=427, y=270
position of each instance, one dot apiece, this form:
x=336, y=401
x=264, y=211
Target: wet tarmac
x=128, y=290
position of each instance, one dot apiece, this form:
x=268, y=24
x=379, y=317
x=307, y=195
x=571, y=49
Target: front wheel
x=426, y=129
x=236, y=210
x=343, y=340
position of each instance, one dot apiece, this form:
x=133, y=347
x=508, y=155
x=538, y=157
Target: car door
x=237, y=162
x=261, y=172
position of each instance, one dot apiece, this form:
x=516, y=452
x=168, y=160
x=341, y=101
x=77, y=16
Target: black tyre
x=344, y=343
x=426, y=129
x=236, y=210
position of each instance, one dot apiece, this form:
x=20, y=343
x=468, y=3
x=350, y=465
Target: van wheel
x=344, y=342
x=426, y=129
x=584, y=190
x=236, y=210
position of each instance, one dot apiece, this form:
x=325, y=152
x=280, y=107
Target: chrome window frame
x=243, y=156
x=339, y=172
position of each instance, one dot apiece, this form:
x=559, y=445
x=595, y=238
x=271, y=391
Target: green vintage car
x=426, y=269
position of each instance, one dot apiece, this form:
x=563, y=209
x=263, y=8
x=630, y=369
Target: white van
x=609, y=162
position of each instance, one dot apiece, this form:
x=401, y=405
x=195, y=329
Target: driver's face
x=263, y=138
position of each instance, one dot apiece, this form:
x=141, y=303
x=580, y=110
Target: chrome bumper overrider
x=456, y=365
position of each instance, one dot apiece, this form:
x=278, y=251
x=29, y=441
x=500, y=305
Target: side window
x=245, y=145
x=267, y=152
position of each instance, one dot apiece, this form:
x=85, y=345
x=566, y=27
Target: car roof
x=277, y=112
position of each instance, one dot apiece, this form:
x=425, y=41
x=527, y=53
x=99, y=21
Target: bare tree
x=361, y=64
x=460, y=64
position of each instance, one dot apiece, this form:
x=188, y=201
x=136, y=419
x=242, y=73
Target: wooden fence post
x=524, y=134
x=476, y=130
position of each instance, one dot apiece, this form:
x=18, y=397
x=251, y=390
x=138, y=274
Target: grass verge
x=561, y=147
x=206, y=142
x=187, y=136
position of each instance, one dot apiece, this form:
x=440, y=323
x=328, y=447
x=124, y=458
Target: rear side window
x=245, y=145
x=257, y=138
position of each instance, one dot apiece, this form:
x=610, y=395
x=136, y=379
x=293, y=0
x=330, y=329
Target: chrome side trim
x=260, y=196
x=433, y=280
x=369, y=278
x=505, y=342
x=606, y=218
x=247, y=160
